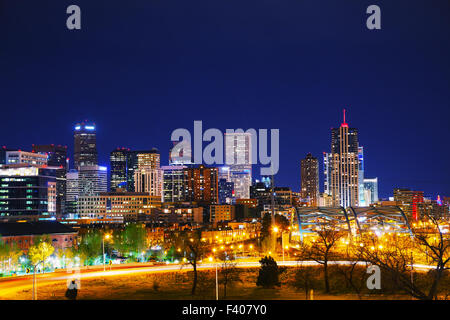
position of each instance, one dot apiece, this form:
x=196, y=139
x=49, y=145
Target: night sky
x=141, y=68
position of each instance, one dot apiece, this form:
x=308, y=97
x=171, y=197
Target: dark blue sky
x=142, y=68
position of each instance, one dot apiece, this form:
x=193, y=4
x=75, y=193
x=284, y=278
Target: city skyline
x=216, y=152
x=294, y=184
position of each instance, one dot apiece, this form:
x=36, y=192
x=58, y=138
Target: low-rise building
x=128, y=205
x=222, y=212
x=251, y=203
x=24, y=234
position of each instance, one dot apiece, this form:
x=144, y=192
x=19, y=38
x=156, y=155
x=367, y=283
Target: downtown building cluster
x=39, y=185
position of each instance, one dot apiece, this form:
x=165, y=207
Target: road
x=14, y=284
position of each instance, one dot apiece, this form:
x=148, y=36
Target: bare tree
x=351, y=272
x=321, y=249
x=396, y=258
x=393, y=259
x=304, y=278
x=195, y=248
x=435, y=244
x=228, y=271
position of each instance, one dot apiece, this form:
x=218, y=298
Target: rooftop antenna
x=344, y=124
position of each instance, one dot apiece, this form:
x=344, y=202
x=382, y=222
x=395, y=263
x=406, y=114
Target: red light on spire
x=344, y=124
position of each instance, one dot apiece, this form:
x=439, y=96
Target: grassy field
x=177, y=285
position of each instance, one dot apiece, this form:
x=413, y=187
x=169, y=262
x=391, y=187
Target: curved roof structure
x=354, y=220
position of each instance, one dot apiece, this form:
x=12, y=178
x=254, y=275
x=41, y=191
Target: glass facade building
x=85, y=145
x=27, y=192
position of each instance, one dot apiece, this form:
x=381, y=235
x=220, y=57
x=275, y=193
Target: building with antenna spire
x=342, y=166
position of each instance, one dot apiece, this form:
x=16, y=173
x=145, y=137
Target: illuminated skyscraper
x=145, y=159
x=56, y=157
x=26, y=157
x=180, y=153
x=92, y=180
x=148, y=180
x=85, y=145
x=238, y=153
x=370, y=191
x=226, y=192
x=342, y=167
x=201, y=184
x=410, y=201
x=224, y=173
x=72, y=192
x=173, y=183
x=118, y=169
x=27, y=191
x=310, y=179
x=362, y=199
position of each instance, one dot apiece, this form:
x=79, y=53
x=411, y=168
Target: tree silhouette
x=269, y=272
x=321, y=250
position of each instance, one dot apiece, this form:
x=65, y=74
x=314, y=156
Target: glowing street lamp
x=106, y=237
x=211, y=259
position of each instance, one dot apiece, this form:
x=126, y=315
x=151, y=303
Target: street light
x=217, y=279
x=287, y=248
x=107, y=236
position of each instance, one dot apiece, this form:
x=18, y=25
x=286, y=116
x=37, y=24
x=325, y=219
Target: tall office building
x=238, y=156
x=370, y=191
x=342, y=167
x=57, y=157
x=180, y=153
x=145, y=159
x=56, y=154
x=148, y=180
x=3, y=150
x=310, y=179
x=72, y=192
x=118, y=169
x=146, y=170
x=92, y=180
x=173, y=183
x=362, y=199
x=25, y=157
x=201, y=184
x=85, y=145
x=27, y=191
x=327, y=173
x=226, y=191
x=410, y=201
x=261, y=192
x=224, y=173
x=267, y=180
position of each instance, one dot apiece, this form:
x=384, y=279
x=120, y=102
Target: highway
x=13, y=284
